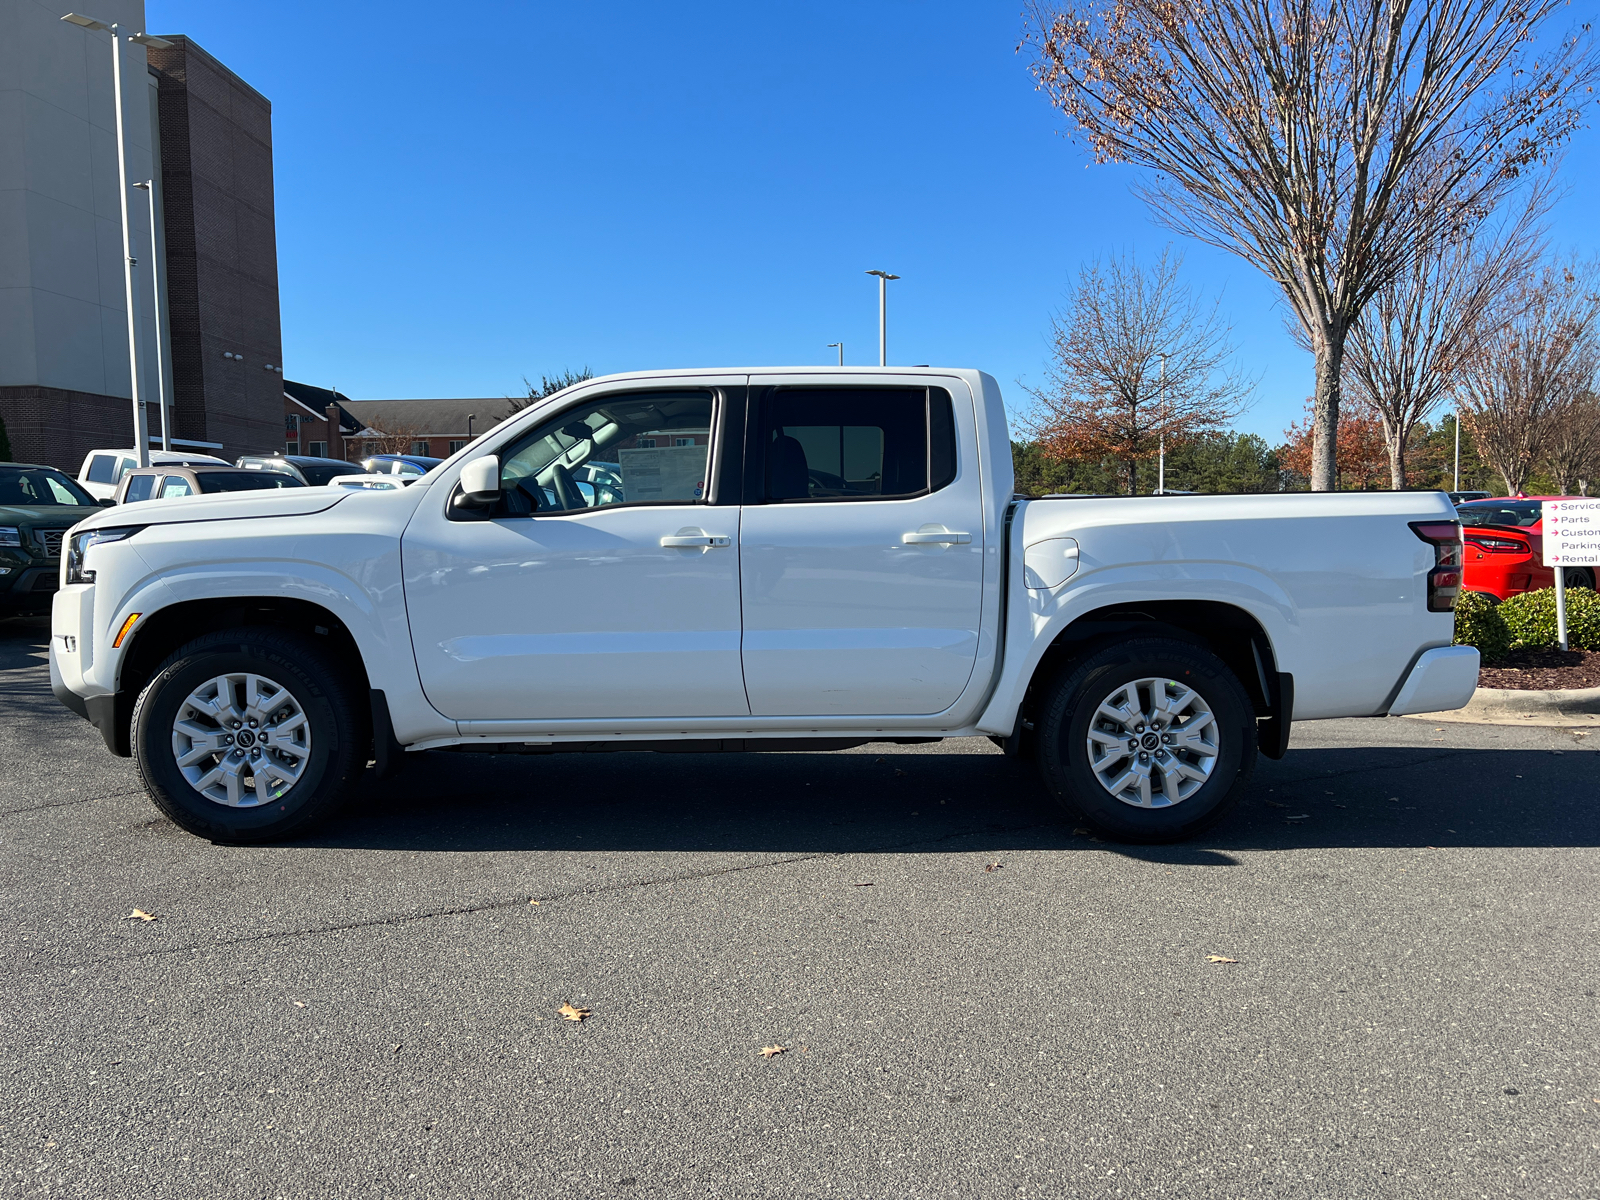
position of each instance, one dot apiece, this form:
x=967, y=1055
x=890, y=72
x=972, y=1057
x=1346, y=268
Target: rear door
x=862, y=547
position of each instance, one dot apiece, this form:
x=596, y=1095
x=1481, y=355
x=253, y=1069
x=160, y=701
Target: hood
x=226, y=506
x=52, y=515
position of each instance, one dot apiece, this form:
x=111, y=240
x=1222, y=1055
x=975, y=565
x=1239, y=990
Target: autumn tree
x=1325, y=141
x=1526, y=369
x=548, y=385
x=1362, y=461
x=1109, y=395
x=1572, y=449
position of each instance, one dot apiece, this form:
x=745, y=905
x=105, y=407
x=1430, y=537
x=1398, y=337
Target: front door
x=861, y=549
x=605, y=586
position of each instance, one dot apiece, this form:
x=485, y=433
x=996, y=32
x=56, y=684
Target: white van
x=102, y=470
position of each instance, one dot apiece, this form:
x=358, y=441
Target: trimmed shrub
x=1479, y=623
x=1531, y=619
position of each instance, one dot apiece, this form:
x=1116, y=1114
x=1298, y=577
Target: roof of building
x=422, y=417
x=317, y=400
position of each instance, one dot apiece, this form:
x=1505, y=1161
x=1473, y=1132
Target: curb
x=1514, y=706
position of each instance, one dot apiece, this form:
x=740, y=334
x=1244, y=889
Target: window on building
x=317, y=449
x=646, y=443
x=420, y=446
x=689, y=441
x=457, y=445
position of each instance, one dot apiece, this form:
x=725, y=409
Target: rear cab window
x=855, y=443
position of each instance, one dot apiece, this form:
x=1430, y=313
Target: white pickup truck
x=746, y=560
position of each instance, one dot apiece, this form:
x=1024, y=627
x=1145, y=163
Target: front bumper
x=1442, y=679
x=29, y=589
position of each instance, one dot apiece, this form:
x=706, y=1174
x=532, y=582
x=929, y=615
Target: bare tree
x=1106, y=397
x=1525, y=370
x=1408, y=348
x=377, y=441
x=1290, y=132
x=1572, y=449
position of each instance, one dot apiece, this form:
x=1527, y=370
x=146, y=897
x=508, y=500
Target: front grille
x=50, y=540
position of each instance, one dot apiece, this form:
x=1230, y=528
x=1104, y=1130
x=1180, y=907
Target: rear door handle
x=942, y=538
x=696, y=539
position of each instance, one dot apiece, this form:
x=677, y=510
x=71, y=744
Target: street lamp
x=148, y=187
x=831, y=345
x=883, y=315
x=141, y=438
x=1161, y=469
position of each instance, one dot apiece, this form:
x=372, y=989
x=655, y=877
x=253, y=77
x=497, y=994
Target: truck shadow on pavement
x=963, y=796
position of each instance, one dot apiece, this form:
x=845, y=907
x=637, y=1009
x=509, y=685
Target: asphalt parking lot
x=971, y=999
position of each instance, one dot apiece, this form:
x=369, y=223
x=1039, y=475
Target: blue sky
x=469, y=196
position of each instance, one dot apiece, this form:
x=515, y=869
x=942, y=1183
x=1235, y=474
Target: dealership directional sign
x=1572, y=533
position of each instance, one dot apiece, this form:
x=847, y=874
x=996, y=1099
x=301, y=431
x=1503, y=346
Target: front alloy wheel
x=251, y=735
x=241, y=739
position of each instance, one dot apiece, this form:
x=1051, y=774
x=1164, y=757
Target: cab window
x=175, y=485
x=139, y=488
x=631, y=448
x=857, y=443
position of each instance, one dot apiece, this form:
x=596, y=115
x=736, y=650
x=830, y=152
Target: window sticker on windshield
x=664, y=473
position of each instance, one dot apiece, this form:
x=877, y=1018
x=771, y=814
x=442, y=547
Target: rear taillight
x=1444, y=580
x=1495, y=545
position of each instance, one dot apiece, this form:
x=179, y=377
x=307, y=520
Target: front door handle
x=697, y=540
x=941, y=537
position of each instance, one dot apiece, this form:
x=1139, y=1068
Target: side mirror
x=108, y=502
x=480, y=481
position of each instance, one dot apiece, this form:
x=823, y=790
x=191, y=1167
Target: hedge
x=1479, y=623
x=1531, y=619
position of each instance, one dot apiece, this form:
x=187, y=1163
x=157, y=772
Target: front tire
x=1147, y=740
x=251, y=735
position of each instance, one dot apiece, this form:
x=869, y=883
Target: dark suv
x=37, y=507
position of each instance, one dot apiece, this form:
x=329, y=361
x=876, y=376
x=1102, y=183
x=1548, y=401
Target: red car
x=1504, y=548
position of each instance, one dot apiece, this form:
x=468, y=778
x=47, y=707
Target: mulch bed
x=1530, y=670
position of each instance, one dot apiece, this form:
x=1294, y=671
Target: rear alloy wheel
x=249, y=736
x=1148, y=740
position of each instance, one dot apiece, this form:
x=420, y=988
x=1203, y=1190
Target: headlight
x=79, y=546
x=10, y=535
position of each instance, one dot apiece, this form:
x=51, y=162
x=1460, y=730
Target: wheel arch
x=159, y=633
x=1229, y=631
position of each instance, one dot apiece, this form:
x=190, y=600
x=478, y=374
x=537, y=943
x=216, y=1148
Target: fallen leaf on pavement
x=1219, y=959
x=1274, y=804
x=139, y=914
x=299, y=1003
x=769, y=1051
x=898, y=771
x=535, y=903
x=1079, y=832
x=573, y=1014
x=861, y=884
x=1298, y=817
x=994, y=867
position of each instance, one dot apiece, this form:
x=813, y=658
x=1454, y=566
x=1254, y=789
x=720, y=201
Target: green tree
x=1223, y=462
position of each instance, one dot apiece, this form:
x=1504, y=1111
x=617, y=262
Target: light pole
x=148, y=187
x=883, y=315
x=831, y=345
x=141, y=438
x=1161, y=469
x=1457, y=487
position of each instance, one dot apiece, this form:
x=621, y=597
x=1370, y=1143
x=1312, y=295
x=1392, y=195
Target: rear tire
x=252, y=735
x=1147, y=740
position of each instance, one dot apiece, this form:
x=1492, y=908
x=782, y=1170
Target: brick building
x=329, y=424
x=204, y=137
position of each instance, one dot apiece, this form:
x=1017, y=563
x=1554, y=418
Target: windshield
x=1500, y=512
x=212, y=482
x=41, y=486
x=318, y=474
